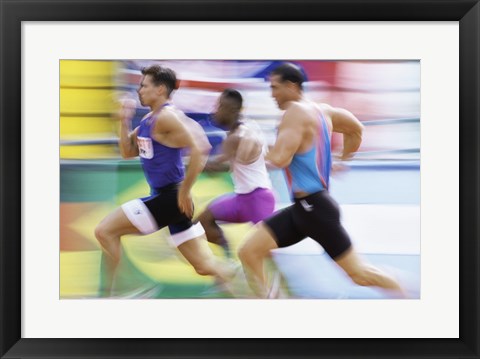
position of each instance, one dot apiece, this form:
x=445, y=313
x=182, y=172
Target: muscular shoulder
x=297, y=114
x=190, y=123
x=232, y=140
x=242, y=145
x=295, y=108
x=326, y=109
x=167, y=120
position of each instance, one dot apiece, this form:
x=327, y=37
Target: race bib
x=145, y=147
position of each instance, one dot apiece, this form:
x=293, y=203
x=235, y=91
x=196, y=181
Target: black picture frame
x=13, y=12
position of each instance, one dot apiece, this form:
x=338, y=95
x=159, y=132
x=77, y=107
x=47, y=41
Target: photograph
x=240, y=179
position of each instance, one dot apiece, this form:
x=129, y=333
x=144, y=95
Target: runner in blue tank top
x=161, y=164
x=158, y=140
x=302, y=148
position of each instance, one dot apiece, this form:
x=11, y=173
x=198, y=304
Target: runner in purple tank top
x=253, y=199
x=158, y=140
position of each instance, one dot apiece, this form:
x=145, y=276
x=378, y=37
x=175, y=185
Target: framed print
x=94, y=179
x=434, y=43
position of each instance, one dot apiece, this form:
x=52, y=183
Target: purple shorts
x=240, y=208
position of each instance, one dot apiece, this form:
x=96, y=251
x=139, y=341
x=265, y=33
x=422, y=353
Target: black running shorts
x=163, y=205
x=316, y=216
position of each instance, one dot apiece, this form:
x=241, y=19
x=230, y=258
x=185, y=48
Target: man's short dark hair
x=162, y=76
x=233, y=95
x=289, y=72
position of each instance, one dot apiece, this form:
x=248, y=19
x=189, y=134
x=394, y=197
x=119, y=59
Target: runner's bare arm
x=180, y=136
x=289, y=139
x=346, y=123
x=128, y=139
x=220, y=162
x=242, y=145
x=216, y=164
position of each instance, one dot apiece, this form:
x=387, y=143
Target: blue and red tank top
x=310, y=171
x=161, y=164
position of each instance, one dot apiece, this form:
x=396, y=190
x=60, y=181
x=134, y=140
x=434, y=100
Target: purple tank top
x=162, y=165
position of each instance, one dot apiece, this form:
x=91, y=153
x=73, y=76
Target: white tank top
x=247, y=178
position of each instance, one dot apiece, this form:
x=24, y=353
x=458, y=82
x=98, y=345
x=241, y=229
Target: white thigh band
x=193, y=232
x=140, y=216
